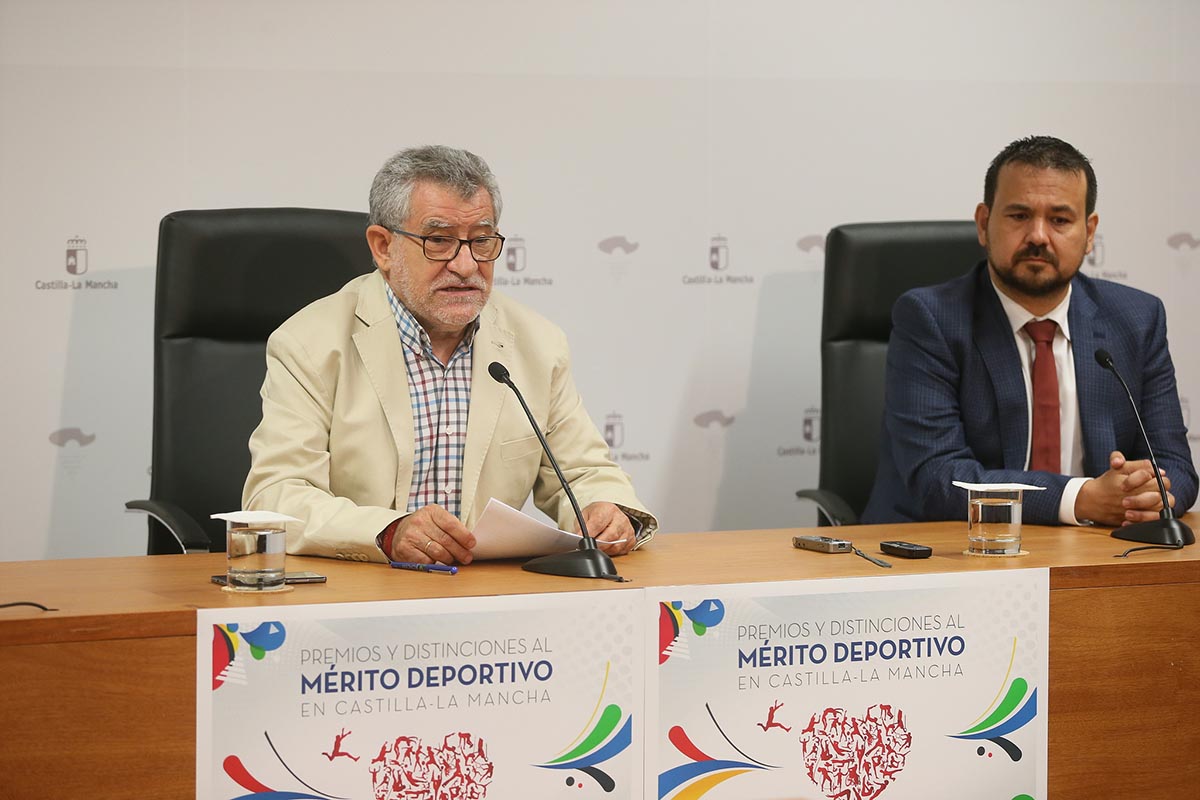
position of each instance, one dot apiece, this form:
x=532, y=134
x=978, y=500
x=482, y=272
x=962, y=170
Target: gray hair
x=460, y=170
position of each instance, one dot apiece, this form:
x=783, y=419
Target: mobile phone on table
x=906, y=549
x=290, y=577
x=822, y=544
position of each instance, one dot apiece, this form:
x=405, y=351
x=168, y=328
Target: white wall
x=666, y=123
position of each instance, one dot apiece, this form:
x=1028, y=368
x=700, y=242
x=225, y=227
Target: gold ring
x=427, y=547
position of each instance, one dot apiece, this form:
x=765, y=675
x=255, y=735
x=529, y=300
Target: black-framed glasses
x=439, y=247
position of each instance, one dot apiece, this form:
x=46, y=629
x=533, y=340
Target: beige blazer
x=335, y=445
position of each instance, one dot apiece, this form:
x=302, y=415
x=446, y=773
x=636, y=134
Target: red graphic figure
x=337, y=747
x=406, y=770
x=851, y=758
x=771, y=723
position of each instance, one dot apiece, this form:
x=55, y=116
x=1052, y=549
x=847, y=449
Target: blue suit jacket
x=955, y=405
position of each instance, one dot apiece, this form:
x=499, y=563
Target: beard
x=429, y=306
x=1048, y=280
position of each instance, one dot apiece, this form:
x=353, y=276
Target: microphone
x=587, y=561
x=1167, y=530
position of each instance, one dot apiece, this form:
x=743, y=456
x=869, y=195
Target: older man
x=993, y=377
x=382, y=430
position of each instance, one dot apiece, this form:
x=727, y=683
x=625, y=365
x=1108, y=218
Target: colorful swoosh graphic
x=703, y=772
x=603, y=738
x=1016, y=710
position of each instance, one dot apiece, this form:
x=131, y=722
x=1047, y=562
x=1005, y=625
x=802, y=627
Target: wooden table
x=97, y=698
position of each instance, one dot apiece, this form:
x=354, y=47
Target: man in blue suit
x=975, y=394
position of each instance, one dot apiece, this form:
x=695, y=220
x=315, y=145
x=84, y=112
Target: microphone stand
x=1167, y=531
x=587, y=560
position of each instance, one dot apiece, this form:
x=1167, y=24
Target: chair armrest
x=189, y=534
x=835, y=509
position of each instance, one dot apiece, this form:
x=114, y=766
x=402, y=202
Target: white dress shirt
x=1070, y=429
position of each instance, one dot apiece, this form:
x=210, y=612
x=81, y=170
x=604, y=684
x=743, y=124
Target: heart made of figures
x=459, y=767
x=855, y=758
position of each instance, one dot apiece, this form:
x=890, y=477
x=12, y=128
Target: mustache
x=1036, y=251
x=473, y=282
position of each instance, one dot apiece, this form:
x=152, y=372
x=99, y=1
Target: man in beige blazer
x=338, y=445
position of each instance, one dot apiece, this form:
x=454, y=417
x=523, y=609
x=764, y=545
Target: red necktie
x=1046, y=445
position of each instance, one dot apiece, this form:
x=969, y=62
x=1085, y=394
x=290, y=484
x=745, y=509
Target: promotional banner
x=459, y=699
x=855, y=689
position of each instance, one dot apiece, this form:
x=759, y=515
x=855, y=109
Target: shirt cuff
x=384, y=539
x=643, y=527
x=1066, y=506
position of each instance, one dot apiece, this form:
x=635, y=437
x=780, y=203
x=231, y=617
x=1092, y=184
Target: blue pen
x=424, y=567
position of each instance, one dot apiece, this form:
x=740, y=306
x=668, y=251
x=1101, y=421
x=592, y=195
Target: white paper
x=997, y=487
x=254, y=517
x=504, y=532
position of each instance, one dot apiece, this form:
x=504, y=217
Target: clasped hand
x=1125, y=494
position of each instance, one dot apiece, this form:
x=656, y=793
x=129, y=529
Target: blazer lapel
x=998, y=349
x=493, y=342
x=1093, y=385
x=382, y=355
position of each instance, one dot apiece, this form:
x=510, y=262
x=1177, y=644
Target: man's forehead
x=1019, y=177
x=441, y=206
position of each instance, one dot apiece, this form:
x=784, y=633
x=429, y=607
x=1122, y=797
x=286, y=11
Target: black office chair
x=226, y=279
x=867, y=267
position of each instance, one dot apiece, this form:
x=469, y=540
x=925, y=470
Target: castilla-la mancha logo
x=614, y=430
x=1094, y=263
x=76, y=263
x=718, y=253
x=514, y=262
x=718, y=267
x=614, y=435
x=812, y=425
x=77, y=259
x=810, y=432
x=1096, y=257
x=514, y=254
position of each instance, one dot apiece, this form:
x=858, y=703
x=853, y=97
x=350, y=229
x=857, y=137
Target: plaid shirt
x=441, y=397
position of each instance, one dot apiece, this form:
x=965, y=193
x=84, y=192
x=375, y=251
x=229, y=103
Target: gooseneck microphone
x=587, y=561
x=1167, y=530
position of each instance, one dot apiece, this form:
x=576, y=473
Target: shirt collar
x=414, y=337
x=1018, y=315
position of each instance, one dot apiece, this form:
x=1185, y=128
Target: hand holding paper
x=504, y=532
x=610, y=527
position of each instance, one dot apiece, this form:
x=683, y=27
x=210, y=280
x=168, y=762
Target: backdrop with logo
x=669, y=171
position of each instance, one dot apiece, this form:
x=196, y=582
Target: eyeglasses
x=438, y=247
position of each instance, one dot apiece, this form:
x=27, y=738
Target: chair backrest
x=867, y=267
x=225, y=280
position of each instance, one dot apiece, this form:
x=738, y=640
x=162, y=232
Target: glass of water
x=994, y=522
x=254, y=557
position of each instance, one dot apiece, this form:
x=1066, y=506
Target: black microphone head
x=1104, y=359
x=498, y=371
